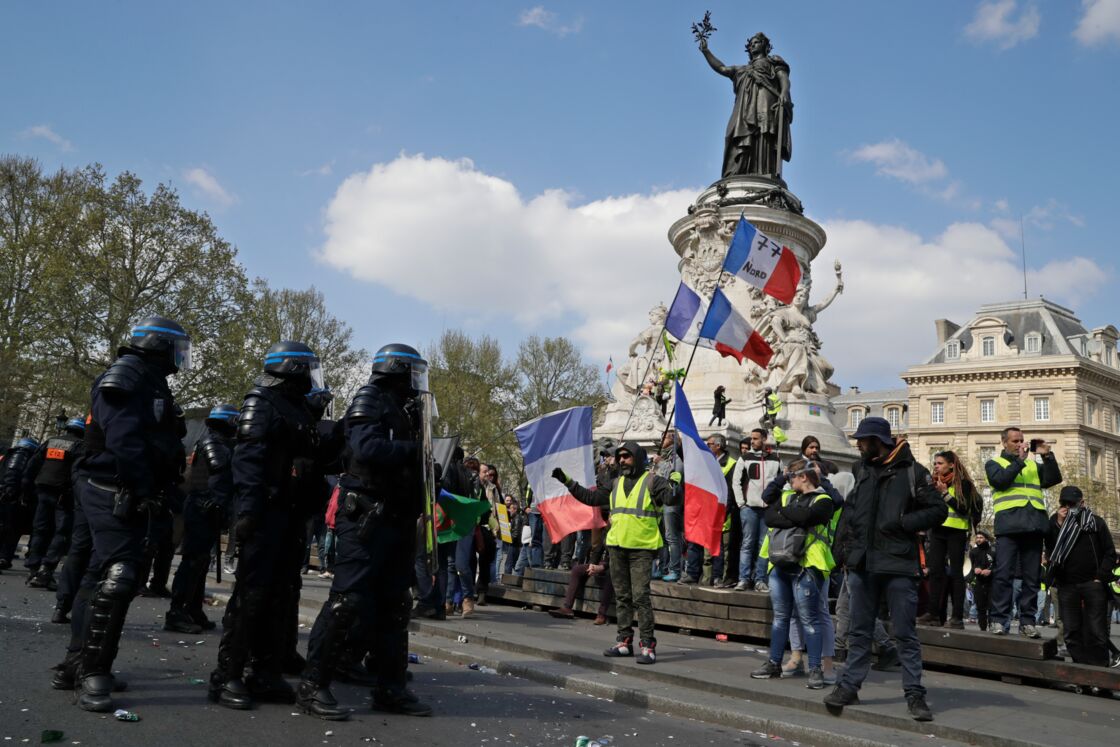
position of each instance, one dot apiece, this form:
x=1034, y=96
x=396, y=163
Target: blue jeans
x=511, y=554
x=828, y=628
x=801, y=590
x=1022, y=551
x=673, y=516
x=533, y=555
x=901, y=592
x=754, y=529
x=464, y=566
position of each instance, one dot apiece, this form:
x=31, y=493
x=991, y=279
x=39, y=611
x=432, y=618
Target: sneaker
x=600, y=620
x=762, y=586
x=671, y=577
x=840, y=697
x=1029, y=631
x=324, y=574
x=955, y=624
x=816, y=679
x=919, y=711
x=793, y=669
x=563, y=613
x=620, y=648
x=767, y=671
x=928, y=619
x=690, y=580
x=744, y=586
x=1114, y=662
x=829, y=677
x=648, y=653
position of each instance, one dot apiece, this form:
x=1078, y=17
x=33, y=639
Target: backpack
x=787, y=546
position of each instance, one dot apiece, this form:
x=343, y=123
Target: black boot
x=108, y=607
x=59, y=617
x=314, y=695
x=399, y=700
x=227, y=684
x=178, y=621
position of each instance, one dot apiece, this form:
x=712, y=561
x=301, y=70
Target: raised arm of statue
x=831, y=296
x=714, y=61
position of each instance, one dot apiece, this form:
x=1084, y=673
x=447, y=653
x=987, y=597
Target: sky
x=512, y=168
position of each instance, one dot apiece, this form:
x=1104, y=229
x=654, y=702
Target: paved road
x=163, y=668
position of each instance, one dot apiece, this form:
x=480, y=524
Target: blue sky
x=512, y=167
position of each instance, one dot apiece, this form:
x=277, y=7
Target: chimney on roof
x=853, y=390
x=945, y=330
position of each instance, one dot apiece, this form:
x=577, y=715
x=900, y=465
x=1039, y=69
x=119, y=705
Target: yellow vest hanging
x=634, y=517
x=726, y=469
x=1026, y=490
x=955, y=520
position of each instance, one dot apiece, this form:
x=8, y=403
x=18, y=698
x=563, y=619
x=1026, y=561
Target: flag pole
x=649, y=365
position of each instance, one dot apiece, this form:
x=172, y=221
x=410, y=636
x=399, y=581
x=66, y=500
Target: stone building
x=853, y=406
x=1026, y=363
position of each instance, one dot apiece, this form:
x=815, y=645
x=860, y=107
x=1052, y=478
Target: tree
x=472, y=388
x=552, y=376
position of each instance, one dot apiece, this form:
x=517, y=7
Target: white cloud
x=896, y=159
x=1003, y=22
x=1046, y=217
x=46, y=132
x=209, y=187
x=1099, y=23
x=325, y=169
x=539, y=17
x=598, y=266
x=897, y=282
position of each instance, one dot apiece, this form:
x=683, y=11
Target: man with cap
x=1081, y=554
x=893, y=499
x=1017, y=481
x=636, y=498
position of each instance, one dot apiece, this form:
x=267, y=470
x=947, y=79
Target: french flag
x=705, y=489
x=731, y=334
x=686, y=314
x=560, y=439
x=757, y=259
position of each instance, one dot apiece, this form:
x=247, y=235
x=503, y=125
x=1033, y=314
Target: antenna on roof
x=1023, y=248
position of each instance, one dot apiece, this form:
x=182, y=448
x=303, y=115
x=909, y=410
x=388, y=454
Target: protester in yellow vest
x=949, y=542
x=795, y=578
x=694, y=553
x=635, y=498
x=1021, y=523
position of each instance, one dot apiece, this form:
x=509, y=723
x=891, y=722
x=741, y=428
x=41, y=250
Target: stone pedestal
x=700, y=239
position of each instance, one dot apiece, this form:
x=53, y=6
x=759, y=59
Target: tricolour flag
x=610, y=363
x=705, y=488
x=686, y=314
x=560, y=439
x=764, y=263
x=732, y=334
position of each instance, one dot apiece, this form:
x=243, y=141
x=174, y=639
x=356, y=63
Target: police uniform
x=275, y=443
x=209, y=487
x=131, y=444
x=54, y=513
x=16, y=483
x=381, y=496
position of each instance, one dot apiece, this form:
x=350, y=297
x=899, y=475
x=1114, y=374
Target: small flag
x=732, y=334
x=764, y=263
x=456, y=516
x=560, y=439
x=686, y=314
x=610, y=363
x=705, y=488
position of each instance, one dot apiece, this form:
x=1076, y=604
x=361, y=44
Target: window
x=1034, y=343
x=1090, y=412
x=1095, y=465
x=1042, y=409
x=855, y=417
x=987, y=411
x=987, y=453
x=894, y=417
x=953, y=350
x=988, y=347
x=1108, y=355
x=1116, y=425
x=937, y=413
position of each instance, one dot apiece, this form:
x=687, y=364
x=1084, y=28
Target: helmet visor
x=316, y=371
x=182, y=354
x=419, y=376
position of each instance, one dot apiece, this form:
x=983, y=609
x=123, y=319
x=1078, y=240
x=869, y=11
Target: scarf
x=1078, y=520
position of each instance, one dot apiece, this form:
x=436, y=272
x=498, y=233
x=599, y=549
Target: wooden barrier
x=747, y=614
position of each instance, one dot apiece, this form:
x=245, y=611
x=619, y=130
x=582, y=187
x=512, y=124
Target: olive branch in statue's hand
x=703, y=29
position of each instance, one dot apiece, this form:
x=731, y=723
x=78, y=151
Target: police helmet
x=27, y=442
x=288, y=359
x=224, y=414
x=77, y=426
x=162, y=336
x=402, y=361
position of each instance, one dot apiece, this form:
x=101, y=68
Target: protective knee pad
x=120, y=581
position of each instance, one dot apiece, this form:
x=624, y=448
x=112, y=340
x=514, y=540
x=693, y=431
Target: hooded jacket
x=878, y=530
x=753, y=472
x=662, y=491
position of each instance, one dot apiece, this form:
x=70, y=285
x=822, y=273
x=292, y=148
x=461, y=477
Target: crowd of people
x=887, y=540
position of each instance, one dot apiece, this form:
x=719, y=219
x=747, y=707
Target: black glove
x=245, y=527
x=558, y=474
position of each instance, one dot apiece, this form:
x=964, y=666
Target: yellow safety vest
x=773, y=404
x=818, y=550
x=1026, y=490
x=955, y=520
x=726, y=469
x=1116, y=580
x=634, y=517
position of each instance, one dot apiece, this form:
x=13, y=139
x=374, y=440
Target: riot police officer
x=209, y=487
x=381, y=497
x=54, y=513
x=131, y=445
x=16, y=487
x=275, y=444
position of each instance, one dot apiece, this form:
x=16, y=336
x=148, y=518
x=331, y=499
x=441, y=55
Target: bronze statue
x=758, y=134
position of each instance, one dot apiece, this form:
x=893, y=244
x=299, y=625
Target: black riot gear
x=161, y=339
x=400, y=361
x=293, y=362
